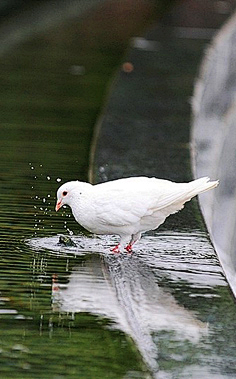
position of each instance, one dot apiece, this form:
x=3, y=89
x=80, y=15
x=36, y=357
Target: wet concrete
x=144, y=130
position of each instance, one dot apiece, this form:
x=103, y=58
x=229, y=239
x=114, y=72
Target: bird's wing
x=120, y=207
x=127, y=205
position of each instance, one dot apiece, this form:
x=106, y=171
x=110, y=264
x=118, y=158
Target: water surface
x=165, y=311
x=48, y=108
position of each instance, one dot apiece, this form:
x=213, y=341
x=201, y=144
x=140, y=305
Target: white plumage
x=129, y=206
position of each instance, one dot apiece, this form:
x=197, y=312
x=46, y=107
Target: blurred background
x=96, y=90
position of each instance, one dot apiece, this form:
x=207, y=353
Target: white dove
x=129, y=206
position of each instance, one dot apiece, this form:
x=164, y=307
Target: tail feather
x=182, y=192
x=195, y=187
x=203, y=184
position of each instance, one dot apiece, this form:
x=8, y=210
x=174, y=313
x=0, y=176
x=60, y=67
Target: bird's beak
x=58, y=205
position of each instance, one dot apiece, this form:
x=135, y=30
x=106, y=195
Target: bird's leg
x=116, y=249
x=128, y=248
x=135, y=238
x=124, y=240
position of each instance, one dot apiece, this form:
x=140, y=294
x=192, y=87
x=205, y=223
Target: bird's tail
x=183, y=192
x=202, y=185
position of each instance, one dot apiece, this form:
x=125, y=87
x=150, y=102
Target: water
x=159, y=295
x=48, y=111
x=164, y=311
x=130, y=289
x=177, y=294
x=36, y=334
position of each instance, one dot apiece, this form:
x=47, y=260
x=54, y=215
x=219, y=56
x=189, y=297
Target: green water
x=82, y=312
x=50, y=98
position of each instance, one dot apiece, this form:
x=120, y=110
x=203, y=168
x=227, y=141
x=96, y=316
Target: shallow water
x=36, y=334
x=150, y=295
x=164, y=310
x=46, y=126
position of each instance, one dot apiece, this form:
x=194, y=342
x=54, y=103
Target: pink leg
x=129, y=248
x=135, y=238
x=116, y=249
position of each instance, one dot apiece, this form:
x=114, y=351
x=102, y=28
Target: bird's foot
x=128, y=248
x=116, y=249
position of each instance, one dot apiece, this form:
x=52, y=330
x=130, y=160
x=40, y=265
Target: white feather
x=130, y=206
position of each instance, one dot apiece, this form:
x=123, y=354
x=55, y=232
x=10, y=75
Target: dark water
x=70, y=312
x=164, y=311
x=38, y=338
x=49, y=103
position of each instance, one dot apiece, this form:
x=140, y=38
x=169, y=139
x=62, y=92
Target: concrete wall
x=214, y=142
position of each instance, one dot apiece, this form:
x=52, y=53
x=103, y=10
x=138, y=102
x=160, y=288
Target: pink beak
x=58, y=205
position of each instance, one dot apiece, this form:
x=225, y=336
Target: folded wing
x=138, y=199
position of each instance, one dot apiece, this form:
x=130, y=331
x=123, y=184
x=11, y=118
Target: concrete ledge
x=144, y=130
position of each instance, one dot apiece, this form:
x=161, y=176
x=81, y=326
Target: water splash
x=41, y=202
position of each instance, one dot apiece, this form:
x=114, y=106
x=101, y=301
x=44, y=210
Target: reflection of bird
x=127, y=207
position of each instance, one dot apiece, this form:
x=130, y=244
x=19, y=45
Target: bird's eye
x=64, y=193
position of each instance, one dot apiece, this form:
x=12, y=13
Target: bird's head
x=66, y=193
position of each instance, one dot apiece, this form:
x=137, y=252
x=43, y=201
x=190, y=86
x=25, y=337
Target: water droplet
x=44, y=200
x=58, y=180
x=48, y=178
x=32, y=168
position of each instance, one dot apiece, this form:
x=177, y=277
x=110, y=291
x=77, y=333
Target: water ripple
x=129, y=289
